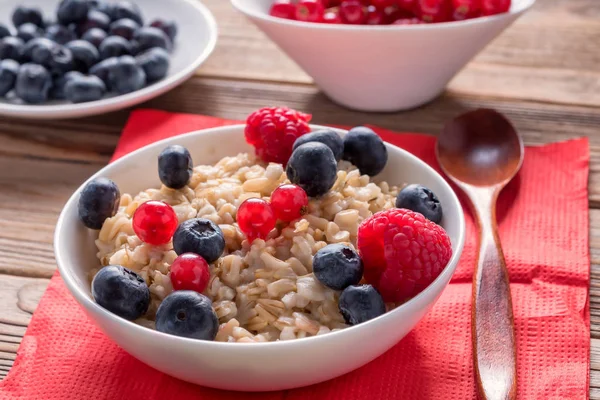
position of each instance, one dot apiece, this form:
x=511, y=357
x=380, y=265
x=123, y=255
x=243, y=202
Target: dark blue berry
x=95, y=19
x=58, y=59
x=364, y=149
x=114, y=46
x=84, y=89
x=33, y=83
x=121, y=291
x=24, y=14
x=420, y=199
x=175, y=166
x=155, y=63
x=127, y=9
x=60, y=34
x=102, y=6
x=337, y=266
x=126, y=76
x=187, y=314
x=99, y=200
x=95, y=36
x=102, y=69
x=85, y=55
x=11, y=48
x=124, y=27
x=200, y=236
x=135, y=47
x=60, y=81
x=34, y=44
x=9, y=69
x=359, y=304
x=4, y=31
x=29, y=31
x=168, y=27
x=149, y=37
x=72, y=11
x=312, y=166
x=326, y=136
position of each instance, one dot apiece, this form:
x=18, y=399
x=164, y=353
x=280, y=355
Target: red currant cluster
x=386, y=12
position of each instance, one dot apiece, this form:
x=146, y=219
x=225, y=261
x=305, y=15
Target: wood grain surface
x=542, y=73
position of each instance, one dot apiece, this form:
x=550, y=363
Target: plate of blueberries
x=75, y=58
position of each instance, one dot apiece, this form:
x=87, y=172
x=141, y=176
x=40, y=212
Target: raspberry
x=273, y=130
x=402, y=252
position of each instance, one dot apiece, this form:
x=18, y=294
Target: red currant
x=331, y=3
x=408, y=21
x=407, y=5
x=465, y=9
x=392, y=14
x=283, y=9
x=189, y=271
x=332, y=16
x=381, y=4
x=289, y=202
x=492, y=7
x=434, y=10
x=353, y=12
x=155, y=222
x=375, y=16
x=256, y=218
x=310, y=11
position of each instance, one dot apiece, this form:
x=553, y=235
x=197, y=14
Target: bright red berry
x=394, y=13
x=402, y=252
x=332, y=16
x=310, y=10
x=465, y=9
x=189, y=271
x=407, y=5
x=155, y=222
x=331, y=3
x=434, y=10
x=408, y=21
x=381, y=4
x=353, y=12
x=273, y=130
x=256, y=218
x=493, y=7
x=375, y=16
x=289, y=202
x=283, y=9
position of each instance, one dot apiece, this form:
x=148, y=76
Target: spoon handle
x=494, y=351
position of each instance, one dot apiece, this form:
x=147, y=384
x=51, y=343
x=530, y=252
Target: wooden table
x=543, y=73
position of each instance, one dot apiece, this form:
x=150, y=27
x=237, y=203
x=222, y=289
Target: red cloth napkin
x=544, y=231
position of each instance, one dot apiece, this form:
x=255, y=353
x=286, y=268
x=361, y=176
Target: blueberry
x=200, y=236
x=60, y=34
x=187, y=314
x=337, y=266
x=420, y=199
x=149, y=37
x=99, y=200
x=361, y=303
x=95, y=36
x=135, y=47
x=33, y=83
x=23, y=14
x=168, y=27
x=114, y=46
x=11, y=48
x=366, y=150
x=124, y=27
x=102, y=69
x=121, y=291
x=4, y=31
x=126, y=76
x=102, y=6
x=29, y=31
x=155, y=63
x=33, y=44
x=83, y=89
x=58, y=59
x=9, y=70
x=175, y=166
x=95, y=19
x=326, y=136
x=127, y=9
x=70, y=11
x=85, y=55
x=58, y=87
x=312, y=166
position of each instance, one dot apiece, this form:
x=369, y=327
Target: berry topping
x=402, y=252
x=200, y=236
x=175, y=167
x=273, y=130
x=364, y=149
x=360, y=303
x=154, y=222
x=189, y=271
x=289, y=202
x=420, y=199
x=99, y=200
x=256, y=218
x=337, y=266
x=121, y=291
x=187, y=314
x=283, y=9
x=326, y=136
x=310, y=10
x=312, y=166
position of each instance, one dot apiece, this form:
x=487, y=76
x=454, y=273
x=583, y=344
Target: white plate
x=195, y=41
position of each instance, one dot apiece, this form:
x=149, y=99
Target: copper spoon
x=481, y=152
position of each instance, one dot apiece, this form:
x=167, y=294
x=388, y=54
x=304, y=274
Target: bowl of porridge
x=242, y=274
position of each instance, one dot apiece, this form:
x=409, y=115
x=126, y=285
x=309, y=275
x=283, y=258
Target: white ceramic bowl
x=248, y=366
x=380, y=68
x=195, y=41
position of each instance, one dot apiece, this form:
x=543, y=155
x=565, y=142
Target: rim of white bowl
x=517, y=7
x=109, y=104
x=87, y=302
